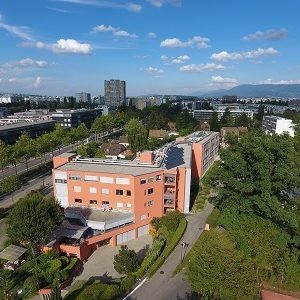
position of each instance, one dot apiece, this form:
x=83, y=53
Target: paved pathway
x=162, y=285
x=100, y=264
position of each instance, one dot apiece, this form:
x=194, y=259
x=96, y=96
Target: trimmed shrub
x=64, y=261
x=67, y=270
x=52, y=270
x=171, y=220
x=97, y=291
x=213, y=218
x=31, y=285
x=127, y=282
x=111, y=291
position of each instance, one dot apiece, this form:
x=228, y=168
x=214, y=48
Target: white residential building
x=278, y=125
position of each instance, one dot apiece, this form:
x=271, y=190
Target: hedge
x=170, y=247
x=127, y=282
x=66, y=271
x=98, y=290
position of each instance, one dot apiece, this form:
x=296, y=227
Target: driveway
x=100, y=263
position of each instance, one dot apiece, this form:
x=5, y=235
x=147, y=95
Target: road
x=162, y=285
x=32, y=184
x=34, y=163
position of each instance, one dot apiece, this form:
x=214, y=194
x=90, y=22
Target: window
x=151, y=179
x=128, y=204
x=119, y=192
x=106, y=179
x=128, y=193
x=123, y=181
x=105, y=202
x=143, y=181
x=143, y=217
x=150, y=191
x=105, y=191
x=74, y=177
x=90, y=178
x=119, y=204
x=78, y=200
x=93, y=190
x=60, y=180
x=158, y=177
x=150, y=203
x=93, y=201
x=77, y=189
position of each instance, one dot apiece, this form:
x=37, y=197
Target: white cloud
x=271, y=81
x=62, y=46
x=26, y=63
x=193, y=68
x=164, y=57
x=223, y=81
x=196, y=41
x=115, y=31
x=151, y=35
x=271, y=34
x=180, y=59
x=37, y=82
x=160, y=3
x=133, y=7
x=225, y=56
x=22, y=32
x=153, y=70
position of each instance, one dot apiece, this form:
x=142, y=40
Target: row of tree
x=257, y=242
x=27, y=147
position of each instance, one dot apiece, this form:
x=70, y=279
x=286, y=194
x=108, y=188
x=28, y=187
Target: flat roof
x=98, y=215
x=25, y=124
x=12, y=253
x=67, y=154
x=179, y=156
x=109, y=167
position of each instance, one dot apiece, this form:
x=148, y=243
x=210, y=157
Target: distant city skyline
x=62, y=47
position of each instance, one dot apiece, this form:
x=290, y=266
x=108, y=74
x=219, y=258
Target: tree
x=214, y=123
x=156, y=121
x=82, y=132
x=260, y=113
x=55, y=293
x=126, y=261
x=242, y=120
x=4, y=156
x=137, y=135
x=24, y=147
x=226, y=119
x=219, y=270
x=33, y=219
x=10, y=185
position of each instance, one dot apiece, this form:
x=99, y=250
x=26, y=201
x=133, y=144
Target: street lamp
x=183, y=245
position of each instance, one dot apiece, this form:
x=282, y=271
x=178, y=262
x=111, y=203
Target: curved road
x=162, y=286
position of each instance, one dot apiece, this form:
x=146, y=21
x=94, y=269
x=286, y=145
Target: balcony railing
x=170, y=180
x=169, y=195
x=169, y=203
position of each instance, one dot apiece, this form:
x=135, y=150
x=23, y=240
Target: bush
x=127, y=282
x=126, y=261
x=176, y=237
x=171, y=220
x=52, y=270
x=99, y=291
x=67, y=270
x=213, y=218
x=64, y=261
x=31, y=285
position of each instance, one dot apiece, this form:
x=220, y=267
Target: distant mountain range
x=258, y=90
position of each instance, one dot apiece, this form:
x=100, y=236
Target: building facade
x=72, y=118
x=115, y=200
x=114, y=92
x=83, y=97
x=277, y=125
x=206, y=115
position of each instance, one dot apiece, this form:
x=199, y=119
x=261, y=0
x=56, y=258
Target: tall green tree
x=82, y=132
x=242, y=120
x=226, y=119
x=126, y=261
x=4, y=156
x=214, y=123
x=24, y=147
x=33, y=219
x=55, y=293
x=10, y=184
x=261, y=112
x=219, y=270
x=137, y=135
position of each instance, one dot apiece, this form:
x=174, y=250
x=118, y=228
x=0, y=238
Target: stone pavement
x=100, y=264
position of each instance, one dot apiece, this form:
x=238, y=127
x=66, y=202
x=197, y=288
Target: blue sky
x=60, y=47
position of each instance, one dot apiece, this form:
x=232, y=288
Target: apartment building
x=206, y=115
x=114, y=92
x=113, y=201
x=83, y=97
x=278, y=125
x=72, y=118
